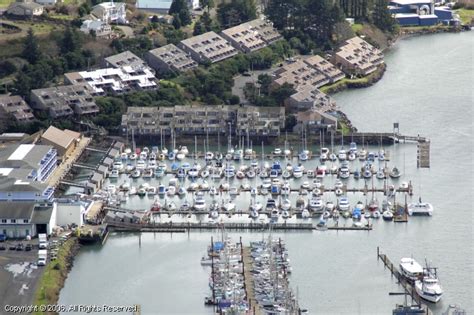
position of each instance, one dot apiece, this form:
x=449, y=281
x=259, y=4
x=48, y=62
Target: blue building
x=421, y=13
x=24, y=171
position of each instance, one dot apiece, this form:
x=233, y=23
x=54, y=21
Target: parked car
x=3, y=237
x=20, y=246
x=246, y=74
x=28, y=247
x=2, y=247
x=12, y=247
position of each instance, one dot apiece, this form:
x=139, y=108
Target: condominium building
x=308, y=97
x=208, y=48
x=114, y=80
x=169, y=58
x=332, y=73
x=357, y=57
x=201, y=120
x=126, y=58
x=252, y=35
x=299, y=73
x=64, y=100
x=13, y=107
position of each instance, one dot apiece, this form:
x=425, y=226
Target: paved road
x=240, y=81
x=18, y=277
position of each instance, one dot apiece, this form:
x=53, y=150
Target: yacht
x=420, y=208
x=428, y=287
x=411, y=269
x=362, y=155
x=344, y=172
x=199, y=202
x=297, y=171
x=342, y=155
x=344, y=204
x=316, y=204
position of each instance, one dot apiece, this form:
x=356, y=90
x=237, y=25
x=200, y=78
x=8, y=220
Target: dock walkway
x=409, y=289
x=247, y=261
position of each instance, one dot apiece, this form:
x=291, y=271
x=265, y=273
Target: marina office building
x=202, y=120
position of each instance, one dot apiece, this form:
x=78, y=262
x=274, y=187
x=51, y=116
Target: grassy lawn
x=61, y=17
x=344, y=81
x=5, y=3
x=53, y=277
x=357, y=27
x=466, y=15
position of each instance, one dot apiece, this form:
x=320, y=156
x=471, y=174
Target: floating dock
x=409, y=289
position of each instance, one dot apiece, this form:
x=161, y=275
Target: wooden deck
x=247, y=261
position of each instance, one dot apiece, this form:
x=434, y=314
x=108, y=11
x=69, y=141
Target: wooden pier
x=249, y=289
x=423, y=155
x=409, y=289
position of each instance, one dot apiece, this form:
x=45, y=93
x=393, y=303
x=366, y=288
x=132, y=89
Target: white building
x=111, y=12
x=115, y=80
x=72, y=211
x=22, y=218
x=100, y=28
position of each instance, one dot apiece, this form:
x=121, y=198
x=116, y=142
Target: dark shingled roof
x=16, y=210
x=42, y=215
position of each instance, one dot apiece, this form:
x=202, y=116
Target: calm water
x=427, y=89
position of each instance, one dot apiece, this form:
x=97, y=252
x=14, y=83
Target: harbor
x=324, y=262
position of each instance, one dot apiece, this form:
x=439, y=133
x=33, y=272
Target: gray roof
x=32, y=158
x=126, y=58
x=42, y=215
x=25, y=5
x=16, y=210
x=108, y=161
x=10, y=184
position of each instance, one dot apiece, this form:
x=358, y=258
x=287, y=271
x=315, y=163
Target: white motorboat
x=285, y=214
x=376, y=214
x=324, y=154
x=182, y=192
x=362, y=154
x=285, y=204
x=274, y=214
x=316, y=204
x=297, y=171
x=387, y=215
x=136, y=174
x=342, y=155
x=204, y=173
x=411, y=269
x=277, y=151
x=171, y=206
x=151, y=191
x=344, y=172
x=171, y=190
x=305, y=214
x=213, y=191
x=420, y=208
x=214, y=214
x=141, y=165
x=428, y=287
x=344, y=204
x=329, y=206
x=114, y=174
x=199, y=202
x=229, y=206
x=395, y=173
x=380, y=174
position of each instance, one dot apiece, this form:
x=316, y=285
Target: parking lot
x=18, y=273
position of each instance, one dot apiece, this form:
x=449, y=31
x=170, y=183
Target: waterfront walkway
x=247, y=261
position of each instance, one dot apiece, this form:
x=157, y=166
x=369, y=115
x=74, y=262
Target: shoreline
x=52, y=281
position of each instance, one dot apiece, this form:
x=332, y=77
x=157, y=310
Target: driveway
x=240, y=81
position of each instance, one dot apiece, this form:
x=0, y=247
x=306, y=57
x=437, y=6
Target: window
x=25, y=221
x=4, y=220
x=13, y=221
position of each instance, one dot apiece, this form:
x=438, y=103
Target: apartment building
x=13, y=107
x=208, y=48
x=357, y=57
x=169, y=58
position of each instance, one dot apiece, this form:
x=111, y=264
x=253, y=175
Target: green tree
x=382, y=17
x=180, y=8
x=22, y=85
x=236, y=12
x=209, y=4
x=70, y=41
x=31, y=51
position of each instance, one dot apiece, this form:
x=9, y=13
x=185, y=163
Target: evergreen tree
x=22, y=84
x=180, y=8
x=382, y=17
x=70, y=41
x=209, y=4
x=31, y=50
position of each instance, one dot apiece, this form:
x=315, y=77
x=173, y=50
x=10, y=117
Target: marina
x=320, y=259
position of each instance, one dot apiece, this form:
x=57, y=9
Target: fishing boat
x=420, y=208
x=411, y=269
x=428, y=287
